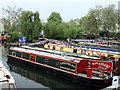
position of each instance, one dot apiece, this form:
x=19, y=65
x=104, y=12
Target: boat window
x=13, y=53
x=25, y=55
x=46, y=61
x=10, y=52
x=40, y=59
x=75, y=51
x=48, y=46
x=32, y=58
x=61, y=48
x=18, y=54
x=53, y=47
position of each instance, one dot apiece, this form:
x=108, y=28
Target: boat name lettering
x=67, y=68
x=65, y=63
x=103, y=68
x=102, y=65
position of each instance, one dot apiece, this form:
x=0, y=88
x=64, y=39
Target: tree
x=37, y=25
x=94, y=20
x=30, y=25
x=70, y=32
x=84, y=24
x=100, y=20
x=10, y=18
x=74, y=29
x=57, y=29
x=53, y=28
x=109, y=18
x=54, y=17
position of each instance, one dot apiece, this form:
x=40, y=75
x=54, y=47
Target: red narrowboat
x=84, y=70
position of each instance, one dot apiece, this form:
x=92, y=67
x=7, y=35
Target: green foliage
x=27, y=23
x=30, y=25
x=53, y=28
x=10, y=20
x=109, y=18
x=71, y=32
x=14, y=35
x=92, y=21
x=54, y=17
x=83, y=24
x=6, y=23
x=56, y=29
x=99, y=20
x=37, y=25
x=82, y=20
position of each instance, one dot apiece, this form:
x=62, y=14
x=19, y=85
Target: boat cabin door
x=82, y=66
x=32, y=57
x=119, y=65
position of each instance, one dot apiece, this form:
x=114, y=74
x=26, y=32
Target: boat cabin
x=89, y=66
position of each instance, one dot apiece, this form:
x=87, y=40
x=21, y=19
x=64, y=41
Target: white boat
x=115, y=84
x=6, y=79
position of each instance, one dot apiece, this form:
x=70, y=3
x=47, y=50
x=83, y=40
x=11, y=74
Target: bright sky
x=68, y=9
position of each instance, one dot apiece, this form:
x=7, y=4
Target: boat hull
x=6, y=79
x=92, y=83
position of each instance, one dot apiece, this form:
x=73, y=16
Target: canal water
x=30, y=77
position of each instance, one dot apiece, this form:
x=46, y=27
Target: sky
x=68, y=9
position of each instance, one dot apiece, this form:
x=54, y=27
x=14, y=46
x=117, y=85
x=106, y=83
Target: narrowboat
x=116, y=61
x=80, y=49
x=86, y=70
x=85, y=51
x=105, y=44
x=4, y=38
x=6, y=79
x=40, y=76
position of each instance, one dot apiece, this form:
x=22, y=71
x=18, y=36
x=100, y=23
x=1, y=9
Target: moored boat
x=6, y=79
x=4, y=38
x=85, y=51
x=105, y=44
x=90, y=71
x=80, y=49
x=116, y=60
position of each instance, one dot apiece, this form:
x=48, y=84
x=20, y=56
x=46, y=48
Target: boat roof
x=113, y=42
x=62, y=53
x=107, y=49
x=47, y=54
x=57, y=54
x=42, y=49
x=87, y=57
x=4, y=72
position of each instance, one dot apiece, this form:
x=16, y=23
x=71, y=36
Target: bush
x=14, y=36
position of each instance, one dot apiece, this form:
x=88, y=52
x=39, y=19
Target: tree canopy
x=54, y=17
x=30, y=25
x=99, y=21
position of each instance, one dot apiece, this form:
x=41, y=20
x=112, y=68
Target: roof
x=48, y=54
x=57, y=54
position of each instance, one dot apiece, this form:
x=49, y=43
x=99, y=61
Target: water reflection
x=41, y=77
x=3, y=55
